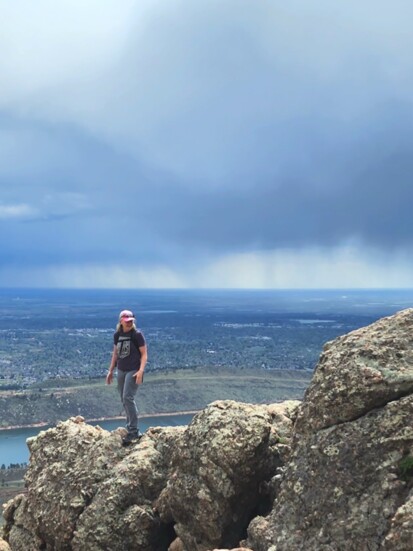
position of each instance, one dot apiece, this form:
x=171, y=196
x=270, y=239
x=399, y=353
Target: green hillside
x=172, y=391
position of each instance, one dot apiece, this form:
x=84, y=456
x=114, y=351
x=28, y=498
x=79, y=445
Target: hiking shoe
x=131, y=438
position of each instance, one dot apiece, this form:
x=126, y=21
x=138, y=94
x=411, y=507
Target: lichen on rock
x=360, y=371
x=343, y=489
x=86, y=492
x=228, y=454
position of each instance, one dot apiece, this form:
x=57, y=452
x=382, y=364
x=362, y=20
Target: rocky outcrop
x=85, y=492
x=348, y=484
x=334, y=473
x=221, y=472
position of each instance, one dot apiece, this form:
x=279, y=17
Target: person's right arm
x=113, y=362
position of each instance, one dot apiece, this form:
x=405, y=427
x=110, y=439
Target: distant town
x=62, y=334
x=37, y=355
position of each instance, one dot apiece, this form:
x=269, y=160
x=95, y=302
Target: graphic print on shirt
x=123, y=348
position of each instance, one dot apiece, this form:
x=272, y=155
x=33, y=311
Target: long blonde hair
x=120, y=328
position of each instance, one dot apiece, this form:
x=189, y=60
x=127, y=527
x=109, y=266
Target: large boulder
x=222, y=470
x=348, y=485
x=86, y=492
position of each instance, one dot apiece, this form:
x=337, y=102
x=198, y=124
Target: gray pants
x=128, y=388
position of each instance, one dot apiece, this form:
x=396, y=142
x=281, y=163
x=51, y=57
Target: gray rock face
x=360, y=371
x=228, y=453
x=86, y=492
x=348, y=485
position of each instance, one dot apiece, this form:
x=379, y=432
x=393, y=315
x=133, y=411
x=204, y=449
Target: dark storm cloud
x=71, y=207
x=362, y=192
x=185, y=129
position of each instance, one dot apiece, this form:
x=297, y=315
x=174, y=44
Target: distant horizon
x=50, y=288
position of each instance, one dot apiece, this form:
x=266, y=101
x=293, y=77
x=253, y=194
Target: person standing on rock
x=129, y=356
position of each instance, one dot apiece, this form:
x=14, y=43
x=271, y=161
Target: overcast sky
x=208, y=143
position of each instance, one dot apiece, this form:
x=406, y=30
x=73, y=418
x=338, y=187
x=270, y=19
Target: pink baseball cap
x=126, y=315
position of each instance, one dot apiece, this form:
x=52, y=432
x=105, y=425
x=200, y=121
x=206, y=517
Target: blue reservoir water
x=13, y=448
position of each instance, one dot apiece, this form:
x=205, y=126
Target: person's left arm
x=144, y=358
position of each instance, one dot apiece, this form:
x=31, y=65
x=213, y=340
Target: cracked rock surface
x=85, y=492
x=228, y=453
x=345, y=488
